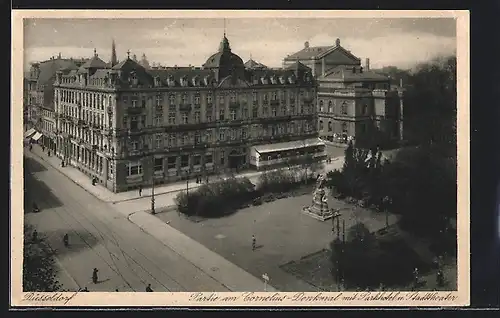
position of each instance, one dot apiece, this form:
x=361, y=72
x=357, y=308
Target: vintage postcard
x=240, y=158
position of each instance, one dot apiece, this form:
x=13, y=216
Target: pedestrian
x=31, y=147
x=116, y=290
x=48, y=153
x=440, y=278
x=140, y=190
x=149, y=289
x=415, y=274
x=66, y=239
x=254, y=243
x=35, y=235
x=207, y=179
x=43, y=148
x=85, y=289
x=94, y=275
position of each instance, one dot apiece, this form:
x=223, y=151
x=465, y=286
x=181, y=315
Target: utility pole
x=153, y=211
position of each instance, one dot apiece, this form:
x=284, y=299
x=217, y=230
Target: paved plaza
x=282, y=231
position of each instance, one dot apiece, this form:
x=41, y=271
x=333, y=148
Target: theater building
x=353, y=102
x=127, y=125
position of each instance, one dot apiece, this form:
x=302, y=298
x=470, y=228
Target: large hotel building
x=127, y=124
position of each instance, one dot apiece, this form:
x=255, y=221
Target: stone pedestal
x=319, y=207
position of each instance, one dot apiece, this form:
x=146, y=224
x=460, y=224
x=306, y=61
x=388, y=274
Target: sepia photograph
x=240, y=158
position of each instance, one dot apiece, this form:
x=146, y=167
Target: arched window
x=330, y=107
x=320, y=125
x=330, y=126
x=321, y=105
x=344, y=127
x=344, y=108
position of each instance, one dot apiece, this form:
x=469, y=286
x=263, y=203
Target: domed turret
x=225, y=62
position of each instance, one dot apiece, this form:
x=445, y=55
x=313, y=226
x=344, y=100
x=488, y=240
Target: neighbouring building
x=353, y=102
x=39, y=98
x=127, y=125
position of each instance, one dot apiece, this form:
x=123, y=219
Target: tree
x=39, y=268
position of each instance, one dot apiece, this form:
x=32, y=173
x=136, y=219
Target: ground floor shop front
x=140, y=169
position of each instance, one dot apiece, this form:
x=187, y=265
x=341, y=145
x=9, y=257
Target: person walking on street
x=254, y=243
x=94, y=275
x=149, y=289
x=35, y=236
x=140, y=191
x=440, y=278
x=66, y=240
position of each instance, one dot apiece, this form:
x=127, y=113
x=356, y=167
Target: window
x=209, y=117
x=184, y=118
x=158, y=141
x=196, y=160
x=158, y=165
x=274, y=112
x=344, y=128
x=197, y=137
x=321, y=109
x=110, y=169
x=172, y=141
x=365, y=109
x=243, y=133
x=265, y=111
x=255, y=112
x=254, y=96
x=134, y=122
x=184, y=98
x=330, y=128
x=184, y=161
x=134, y=169
x=171, y=118
x=245, y=113
x=330, y=107
x=158, y=101
x=209, y=98
x=221, y=135
x=208, y=158
x=185, y=138
x=134, y=102
x=320, y=125
x=222, y=157
x=275, y=95
x=171, y=99
x=233, y=97
x=266, y=97
x=171, y=162
x=159, y=119
x=197, y=100
x=221, y=99
x=197, y=117
x=233, y=114
x=134, y=145
x=344, y=108
x=221, y=114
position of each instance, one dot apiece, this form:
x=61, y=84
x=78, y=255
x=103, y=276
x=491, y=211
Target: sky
x=400, y=42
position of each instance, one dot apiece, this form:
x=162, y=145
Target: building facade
x=127, y=125
x=39, y=98
x=353, y=102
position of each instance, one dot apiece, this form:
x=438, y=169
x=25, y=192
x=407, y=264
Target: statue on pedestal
x=319, y=208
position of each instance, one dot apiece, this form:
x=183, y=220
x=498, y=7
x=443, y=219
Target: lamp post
x=153, y=211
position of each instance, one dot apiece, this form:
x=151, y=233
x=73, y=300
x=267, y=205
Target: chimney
x=367, y=64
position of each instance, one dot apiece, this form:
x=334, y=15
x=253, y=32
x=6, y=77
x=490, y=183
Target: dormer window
x=291, y=79
x=206, y=80
x=184, y=81
x=157, y=81
x=171, y=81
x=133, y=77
x=282, y=80
x=273, y=80
x=263, y=80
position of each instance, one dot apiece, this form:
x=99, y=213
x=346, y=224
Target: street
x=127, y=258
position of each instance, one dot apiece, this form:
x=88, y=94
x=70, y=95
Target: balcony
x=307, y=99
x=185, y=107
x=135, y=110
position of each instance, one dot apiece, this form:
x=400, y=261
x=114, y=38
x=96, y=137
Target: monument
x=319, y=208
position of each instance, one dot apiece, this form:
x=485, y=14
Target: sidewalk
x=225, y=272
x=106, y=195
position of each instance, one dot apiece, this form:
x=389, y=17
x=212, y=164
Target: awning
x=37, y=136
x=29, y=132
x=297, y=144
